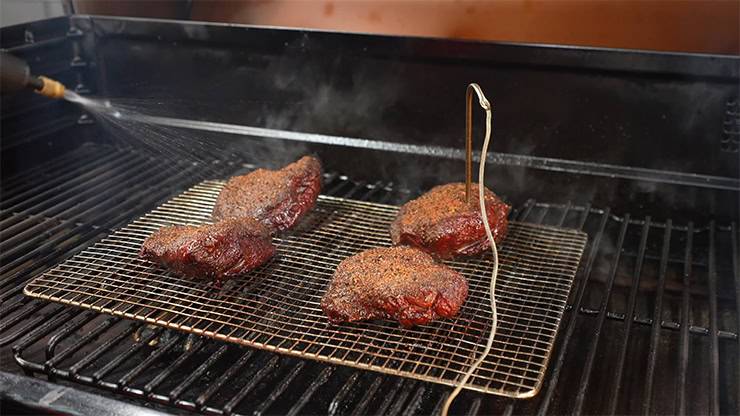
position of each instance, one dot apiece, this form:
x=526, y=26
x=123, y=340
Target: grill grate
x=277, y=307
x=72, y=345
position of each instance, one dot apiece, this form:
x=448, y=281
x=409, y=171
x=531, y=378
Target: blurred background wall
x=696, y=26
x=709, y=26
x=13, y=12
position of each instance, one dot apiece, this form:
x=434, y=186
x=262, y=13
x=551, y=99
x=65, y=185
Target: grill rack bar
x=630, y=312
x=684, y=348
x=581, y=397
x=566, y=338
x=713, y=342
x=472, y=402
x=736, y=269
x=655, y=329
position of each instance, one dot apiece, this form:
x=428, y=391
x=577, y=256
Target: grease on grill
x=400, y=283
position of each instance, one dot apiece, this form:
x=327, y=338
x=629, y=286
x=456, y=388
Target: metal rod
x=397, y=387
x=279, y=389
x=39, y=240
x=416, y=401
x=656, y=324
x=164, y=374
x=736, y=268
x=400, y=399
x=44, y=190
x=683, y=363
x=595, y=246
x=71, y=208
x=468, y=140
x=586, y=376
x=473, y=87
x=185, y=384
x=225, y=377
x=509, y=410
x=339, y=397
x=254, y=379
x=120, y=358
x=35, y=177
x=440, y=402
x=309, y=391
x=126, y=379
x=51, y=322
x=28, y=310
x=32, y=325
x=375, y=189
x=84, y=340
x=474, y=408
x=629, y=315
x=560, y=165
x=9, y=307
x=102, y=349
x=54, y=197
x=565, y=209
x=65, y=332
x=713, y=326
x=368, y=396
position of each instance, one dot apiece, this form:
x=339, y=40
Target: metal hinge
x=730, y=141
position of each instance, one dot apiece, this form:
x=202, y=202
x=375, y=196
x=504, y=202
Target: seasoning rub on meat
x=218, y=251
x=276, y=198
x=442, y=223
x=399, y=283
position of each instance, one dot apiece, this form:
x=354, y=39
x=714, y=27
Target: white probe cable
x=486, y=106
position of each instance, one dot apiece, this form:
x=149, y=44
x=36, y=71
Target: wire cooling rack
x=277, y=306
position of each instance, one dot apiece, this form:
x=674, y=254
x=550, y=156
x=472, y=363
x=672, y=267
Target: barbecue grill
x=638, y=150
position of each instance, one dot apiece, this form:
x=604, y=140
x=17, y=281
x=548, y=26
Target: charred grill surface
x=400, y=283
x=212, y=252
x=51, y=341
x=442, y=223
x=276, y=198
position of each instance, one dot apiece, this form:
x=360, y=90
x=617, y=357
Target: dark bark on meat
x=219, y=251
x=276, y=198
x=399, y=283
x=441, y=223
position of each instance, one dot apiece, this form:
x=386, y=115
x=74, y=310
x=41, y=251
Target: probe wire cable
x=487, y=107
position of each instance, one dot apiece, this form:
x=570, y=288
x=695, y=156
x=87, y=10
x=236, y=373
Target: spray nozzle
x=51, y=88
x=15, y=75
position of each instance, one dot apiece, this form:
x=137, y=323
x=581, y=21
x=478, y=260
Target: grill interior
x=277, y=307
x=683, y=327
x=651, y=323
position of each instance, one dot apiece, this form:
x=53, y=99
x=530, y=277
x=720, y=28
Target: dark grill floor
x=679, y=283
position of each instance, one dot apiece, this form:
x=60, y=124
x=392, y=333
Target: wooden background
x=709, y=26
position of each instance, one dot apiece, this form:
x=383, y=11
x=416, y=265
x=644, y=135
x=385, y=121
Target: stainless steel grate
x=276, y=307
